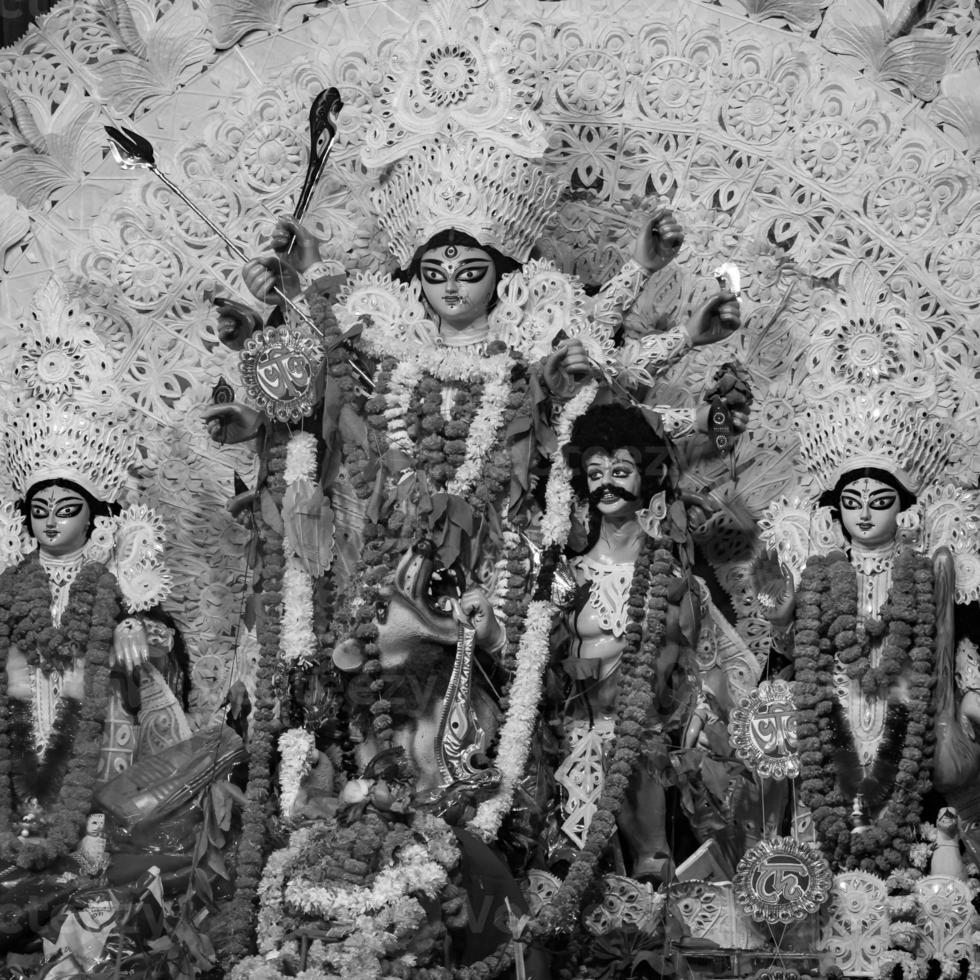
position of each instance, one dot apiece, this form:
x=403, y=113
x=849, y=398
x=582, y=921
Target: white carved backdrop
x=828, y=147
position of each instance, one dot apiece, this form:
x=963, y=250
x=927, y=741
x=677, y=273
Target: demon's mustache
x=610, y=488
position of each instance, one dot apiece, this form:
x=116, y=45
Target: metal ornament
x=460, y=739
x=279, y=368
x=782, y=880
x=763, y=731
x=323, y=131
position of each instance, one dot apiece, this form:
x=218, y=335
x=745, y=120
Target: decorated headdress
x=455, y=119
x=876, y=398
x=499, y=198
x=452, y=73
x=64, y=424
x=880, y=428
x=68, y=442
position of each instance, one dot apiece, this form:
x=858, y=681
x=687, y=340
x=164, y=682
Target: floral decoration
x=86, y=631
x=828, y=639
x=251, y=848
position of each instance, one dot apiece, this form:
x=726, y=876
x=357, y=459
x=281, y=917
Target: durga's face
x=869, y=511
x=60, y=518
x=458, y=283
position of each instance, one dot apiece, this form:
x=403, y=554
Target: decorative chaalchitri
x=548, y=431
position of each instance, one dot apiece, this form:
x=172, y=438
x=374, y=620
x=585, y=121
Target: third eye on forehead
x=56, y=498
x=450, y=266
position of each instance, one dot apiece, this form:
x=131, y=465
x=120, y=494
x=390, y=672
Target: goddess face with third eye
x=458, y=283
x=869, y=512
x=60, y=518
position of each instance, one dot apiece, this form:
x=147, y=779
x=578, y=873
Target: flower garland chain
x=242, y=909
x=360, y=884
x=297, y=640
x=647, y=605
x=827, y=636
x=557, y=521
x=483, y=432
x=87, y=626
x=297, y=749
x=515, y=736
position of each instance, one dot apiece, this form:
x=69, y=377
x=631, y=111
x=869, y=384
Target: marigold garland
x=647, y=606
x=87, y=626
x=827, y=635
x=258, y=794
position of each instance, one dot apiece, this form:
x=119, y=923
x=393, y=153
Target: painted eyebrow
x=71, y=498
x=872, y=494
x=475, y=260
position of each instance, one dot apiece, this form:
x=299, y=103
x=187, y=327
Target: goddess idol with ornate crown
x=865, y=611
x=479, y=357
x=93, y=680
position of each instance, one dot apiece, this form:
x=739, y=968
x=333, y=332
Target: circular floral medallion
x=592, y=81
x=449, y=75
x=673, y=87
x=829, y=150
x=279, y=367
x=763, y=731
x=782, y=880
x=145, y=272
x=903, y=206
x=956, y=267
x=756, y=111
x=51, y=368
x=866, y=351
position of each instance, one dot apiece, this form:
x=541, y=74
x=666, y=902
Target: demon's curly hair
x=612, y=427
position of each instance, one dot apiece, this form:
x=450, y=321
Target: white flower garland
x=297, y=640
x=416, y=871
x=300, y=458
x=269, y=930
x=297, y=749
x=375, y=917
x=483, y=432
x=404, y=380
x=557, y=519
x=515, y=736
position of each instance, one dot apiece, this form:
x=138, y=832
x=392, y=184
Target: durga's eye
x=473, y=274
x=433, y=275
x=69, y=510
x=882, y=503
x=850, y=503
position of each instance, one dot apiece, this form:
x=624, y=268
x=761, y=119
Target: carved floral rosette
x=780, y=881
x=763, y=731
x=855, y=932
